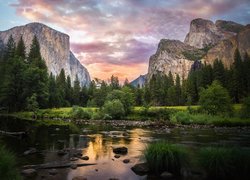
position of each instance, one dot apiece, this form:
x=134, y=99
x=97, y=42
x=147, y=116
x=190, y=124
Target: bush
x=8, y=169
x=215, y=100
x=158, y=113
x=245, y=110
x=225, y=163
x=79, y=113
x=162, y=156
x=113, y=109
x=181, y=117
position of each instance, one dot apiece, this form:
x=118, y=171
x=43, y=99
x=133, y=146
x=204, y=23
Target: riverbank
x=167, y=116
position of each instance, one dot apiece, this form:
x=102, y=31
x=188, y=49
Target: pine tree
x=114, y=82
x=20, y=49
x=76, y=91
x=219, y=72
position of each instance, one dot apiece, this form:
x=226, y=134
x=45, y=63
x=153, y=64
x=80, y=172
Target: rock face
x=54, y=47
x=225, y=49
x=205, y=33
x=205, y=42
x=140, y=81
x=174, y=56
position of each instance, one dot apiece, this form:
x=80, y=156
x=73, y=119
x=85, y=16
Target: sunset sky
x=118, y=36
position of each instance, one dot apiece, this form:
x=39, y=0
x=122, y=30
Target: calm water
x=97, y=143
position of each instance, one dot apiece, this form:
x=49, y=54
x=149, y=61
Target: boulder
x=140, y=169
x=117, y=156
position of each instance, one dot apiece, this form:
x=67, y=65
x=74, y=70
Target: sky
x=117, y=37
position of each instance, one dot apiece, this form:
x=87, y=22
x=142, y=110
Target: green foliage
x=245, y=111
x=32, y=104
x=181, y=117
x=225, y=163
x=113, y=109
x=8, y=170
x=79, y=113
x=193, y=55
x=162, y=156
x=125, y=96
x=215, y=100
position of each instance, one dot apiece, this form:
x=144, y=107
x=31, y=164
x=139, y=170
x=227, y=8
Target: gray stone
x=53, y=172
x=73, y=166
x=30, y=151
x=29, y=172
x=79, y=178
x=140, y=169
x=166, y=175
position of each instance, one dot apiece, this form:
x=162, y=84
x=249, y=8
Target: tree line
x=25, y=81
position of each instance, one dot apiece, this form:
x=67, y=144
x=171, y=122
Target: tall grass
x=225, y=163
x=8, y=169
x=162, y=156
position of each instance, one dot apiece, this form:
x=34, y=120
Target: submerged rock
x=53, y=172
x=79, y=178
x=29, y=172
x=73, y=166
x=166, y=175
x=140, y=169
x=117, y=156
x=85, y=158
x=120, y=150
x=30, y=151
x=126, y=161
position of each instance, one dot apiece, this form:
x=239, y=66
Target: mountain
x=140, y=81
x=54, y=47
x=205, y=42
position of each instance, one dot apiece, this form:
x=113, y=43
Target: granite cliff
x=205, y=42
x=54, y=47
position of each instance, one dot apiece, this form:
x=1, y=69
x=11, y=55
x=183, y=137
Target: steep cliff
x=205, y=33
x=205, y=42
x=174, y=56
x=54, y=47
x=224, y=50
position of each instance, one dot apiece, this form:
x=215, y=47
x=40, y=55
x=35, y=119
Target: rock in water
x=120, y=150
x=140, y=169
x=54, y=47
x=29, y=172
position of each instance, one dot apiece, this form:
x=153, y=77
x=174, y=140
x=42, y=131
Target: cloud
x=124, y=33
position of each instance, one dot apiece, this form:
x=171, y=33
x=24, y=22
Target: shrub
x=162, y=156
x=113, y=109
x=225, y=163
x=8, y=169
x=181, y=117
x=79, y=113
x=215, y=100
x=245, y=110
x=159, y=113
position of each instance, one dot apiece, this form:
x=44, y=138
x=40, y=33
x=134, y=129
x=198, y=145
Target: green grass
x=8, y=170
x=225, y=163
x=186, y=118
x=162, y=156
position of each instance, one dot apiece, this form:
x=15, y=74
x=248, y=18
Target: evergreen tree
x=219, y=72
x=10, y=49
x=76, y=91
x=61, y=85
x=68, y=92
x=114, y=82
x=20, y=49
